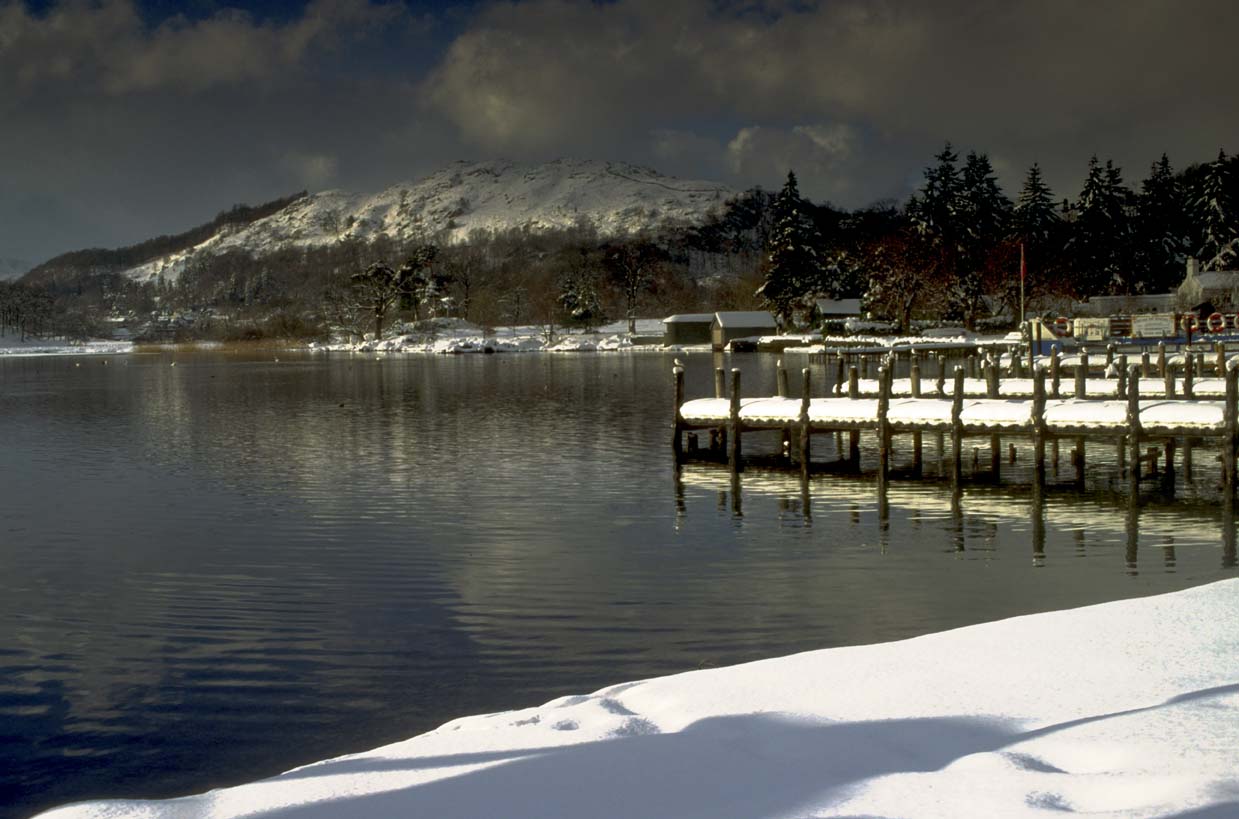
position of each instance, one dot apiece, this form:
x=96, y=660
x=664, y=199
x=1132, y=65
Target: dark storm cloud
x=859, y=94
x=117, y=126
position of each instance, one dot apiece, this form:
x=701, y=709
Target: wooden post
x=957, y=427
x=1056, y=364
x=914, y=377
x=972, y=365
x=1188, y=373
x=805, y=390
x=1133, y=428
x=884, y=427
x=1231, y=423
x=720, y=383
x=991, y=380
x=780, y=378
x=1077, y=459
x=677, y=424
x=840, y=375
x=1034, y=344
x=1167, y=380
x=853, y=383
x=1219, y=362
x=1017, y=364
x=1161, y=358
x=1123, y=377
x=1082, y=376
x=941, y=375
x=1038, y=426
x=1144, y=364
x=1109, y=356
x=733, y=424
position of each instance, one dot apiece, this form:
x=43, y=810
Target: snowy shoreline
x=1129, y=708
x=50, y=347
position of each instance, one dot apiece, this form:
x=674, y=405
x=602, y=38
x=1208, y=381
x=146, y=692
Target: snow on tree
x=379, y=286
x=1217, y=213
x=983, y=211
x=794, y=270
x=1100, y=232
x=1161, y=240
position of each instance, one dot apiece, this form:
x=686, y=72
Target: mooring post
x=1167, y=380
x=1133, y=428
x=1122, y=369
x=1017, y=364
x=840, y=374
x=780, y=378
x=1219, y=361
x=1082, y=376
x=1034, y=344
x=884, y=427
x=1056, y=364
x=733, y=424
x=914, y=377
x=720, y=383
x=972, y=365
x=957, y=427
x=991, y=380
x=1188, y=374
x=1231, y=422
x=805, y=389
x=1038, y=426
x=1168, y=473
x=1144, y=364
x=941, y=383
x=1161, y=358
x=677, y=424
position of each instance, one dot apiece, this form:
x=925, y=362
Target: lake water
x=218, y=570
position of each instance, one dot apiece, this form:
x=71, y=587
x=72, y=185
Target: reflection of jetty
x=960, y=408
x=1105, y=513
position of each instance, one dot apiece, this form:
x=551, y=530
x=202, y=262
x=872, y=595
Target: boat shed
x=728, y=326
x=687, y=328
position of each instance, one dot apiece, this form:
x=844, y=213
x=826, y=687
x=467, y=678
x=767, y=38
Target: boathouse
x=687, y=328
x=1219, y=288
x=731, y=325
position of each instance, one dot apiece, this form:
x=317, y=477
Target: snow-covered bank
x=1124, y=709
x=458, y=336
x=44, y=346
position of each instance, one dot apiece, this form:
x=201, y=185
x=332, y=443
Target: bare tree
x=631, y=265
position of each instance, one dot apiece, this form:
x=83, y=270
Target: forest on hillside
x=950, y=253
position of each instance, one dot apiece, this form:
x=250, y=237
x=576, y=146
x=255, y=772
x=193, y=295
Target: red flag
x=1023, y=267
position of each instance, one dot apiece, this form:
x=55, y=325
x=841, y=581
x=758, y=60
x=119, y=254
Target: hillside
x=465, y=196
x=12, y=268
x=69, y=267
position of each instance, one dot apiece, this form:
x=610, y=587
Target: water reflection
x=973, y=516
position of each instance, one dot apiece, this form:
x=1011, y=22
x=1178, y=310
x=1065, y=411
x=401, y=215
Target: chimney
x=1193, y=267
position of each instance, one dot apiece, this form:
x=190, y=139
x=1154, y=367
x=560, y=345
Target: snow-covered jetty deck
x=1129, y=418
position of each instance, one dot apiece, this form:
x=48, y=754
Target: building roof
x=838, y=307
x=745, y=318
x=1218, y=279
x=689, y=318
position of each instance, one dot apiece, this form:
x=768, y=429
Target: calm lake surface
x=215, y=571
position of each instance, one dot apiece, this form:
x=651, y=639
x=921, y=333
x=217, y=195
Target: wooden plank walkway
x=1023, y=409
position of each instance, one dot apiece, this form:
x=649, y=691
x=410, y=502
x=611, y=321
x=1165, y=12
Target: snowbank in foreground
x=1124, y=709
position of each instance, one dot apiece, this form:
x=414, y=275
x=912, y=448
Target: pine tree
x=1218, y=216
x=794, y=270
x=1035, y=216
x=1098, y=246
x=934, y=212
x=1161, y=235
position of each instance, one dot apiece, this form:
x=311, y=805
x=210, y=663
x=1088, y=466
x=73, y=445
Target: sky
x=125, y=119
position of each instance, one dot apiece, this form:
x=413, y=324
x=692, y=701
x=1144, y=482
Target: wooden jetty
x=1127, y=415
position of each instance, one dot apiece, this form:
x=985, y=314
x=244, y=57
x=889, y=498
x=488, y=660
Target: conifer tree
x=1161, y=234
x=1099, y=232
x=1035, y=216
x=1218, y=217
x=794, y=270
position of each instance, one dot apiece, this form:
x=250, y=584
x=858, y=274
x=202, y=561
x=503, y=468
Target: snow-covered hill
x=465, y=196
